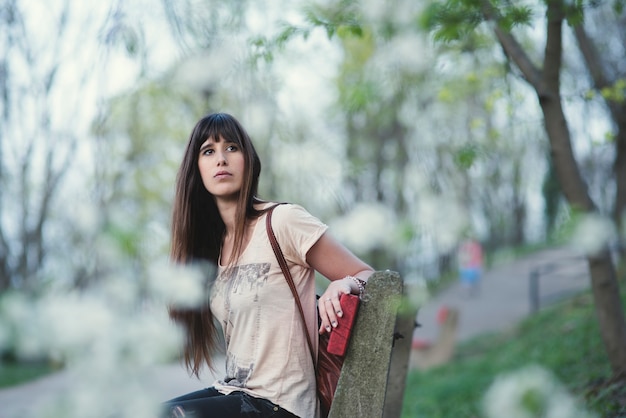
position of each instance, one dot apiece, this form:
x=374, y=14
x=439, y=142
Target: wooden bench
x=373, y=377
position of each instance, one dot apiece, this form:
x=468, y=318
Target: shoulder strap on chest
x=285, y=268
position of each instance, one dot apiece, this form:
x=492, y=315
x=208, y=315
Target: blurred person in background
x=470, y=265
x=219, y=218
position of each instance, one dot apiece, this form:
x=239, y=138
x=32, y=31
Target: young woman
x=219, y=218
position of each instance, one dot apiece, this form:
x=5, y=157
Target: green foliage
x=466, y=155
x=514, y=16
x=13, y=372
x=534, y=402
x=261, y=47
x=340, y=18
x=455, y=20
x=575, y=13
x=616, y=92
x=124, y=239
x=564, y=339
x=449, y=22
x=355, y=98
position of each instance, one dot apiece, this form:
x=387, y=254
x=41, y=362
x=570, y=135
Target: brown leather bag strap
x=283, y=266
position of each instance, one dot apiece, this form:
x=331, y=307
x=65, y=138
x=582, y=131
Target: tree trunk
x=546, y=83
x=619, y=168
x=609, y=310
x=597, y=67
x=603, y=279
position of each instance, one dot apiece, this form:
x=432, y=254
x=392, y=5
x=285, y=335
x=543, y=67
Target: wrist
x=358, y=284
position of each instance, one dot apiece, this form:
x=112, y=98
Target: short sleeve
x=296, y=231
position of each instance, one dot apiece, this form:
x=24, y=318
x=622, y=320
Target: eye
x=232, y=148
x=206, y=151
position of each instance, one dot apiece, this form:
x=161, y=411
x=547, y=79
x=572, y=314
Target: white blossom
x=592, y=233
x=184, y=286
x=532, y=392
x=366, y=227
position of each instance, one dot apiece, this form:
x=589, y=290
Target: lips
x=222, y=174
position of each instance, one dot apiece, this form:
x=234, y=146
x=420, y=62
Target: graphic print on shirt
x=239, y=288
x=236, y=374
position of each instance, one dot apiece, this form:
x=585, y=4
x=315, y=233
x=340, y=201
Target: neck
x=227, y=211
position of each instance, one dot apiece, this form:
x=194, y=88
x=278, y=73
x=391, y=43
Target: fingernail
x=328, y=329
x=334, y=324
x=339, y=314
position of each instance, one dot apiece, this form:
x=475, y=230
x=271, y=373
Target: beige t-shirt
x=266, y=349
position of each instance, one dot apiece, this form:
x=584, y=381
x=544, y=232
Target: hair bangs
x=220, y=126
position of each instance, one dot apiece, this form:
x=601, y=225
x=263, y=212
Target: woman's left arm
x=335, y=262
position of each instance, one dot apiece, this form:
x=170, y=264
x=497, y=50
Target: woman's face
x=222, y=168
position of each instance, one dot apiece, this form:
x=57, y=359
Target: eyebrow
x=206, y=144
x=211, y=142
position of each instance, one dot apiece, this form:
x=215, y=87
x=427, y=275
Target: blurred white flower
x=366, y=227
x=212, y=67
x=118, y=290
x=184, y=286
x=592, y=233
x=531, y=392
x=443, y=218
x=58, y=326
x=258, y=119
x=416, y=289
x=317, y=175
x=405, y=53
x=109, y=349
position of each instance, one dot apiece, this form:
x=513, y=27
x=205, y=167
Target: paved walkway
x=503, y=300
x=166, y=382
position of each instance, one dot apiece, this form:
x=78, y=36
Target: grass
x=13, y=373
x=563, y=338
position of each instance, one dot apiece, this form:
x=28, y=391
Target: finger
x=322, y=309
x=332, y=306
x=327, y=315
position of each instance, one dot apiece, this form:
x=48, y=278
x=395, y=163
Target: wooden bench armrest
x=362, y=385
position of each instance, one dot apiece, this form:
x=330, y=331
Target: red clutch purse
x=340, y=336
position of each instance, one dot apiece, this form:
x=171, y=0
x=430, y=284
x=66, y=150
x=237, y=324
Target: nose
x=221, y=158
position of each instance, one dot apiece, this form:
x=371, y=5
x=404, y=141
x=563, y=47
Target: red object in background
x=340, y=336
x=442, y=314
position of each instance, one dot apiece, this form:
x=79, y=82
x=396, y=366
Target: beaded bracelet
x=360, y=284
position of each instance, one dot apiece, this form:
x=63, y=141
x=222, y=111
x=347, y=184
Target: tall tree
x=47, y=69
x=604, y=57
x=450, y=20
x=34, y=153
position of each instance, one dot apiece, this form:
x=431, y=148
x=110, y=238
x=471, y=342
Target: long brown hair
x=198, y=229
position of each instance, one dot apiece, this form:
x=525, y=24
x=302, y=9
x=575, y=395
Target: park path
x=165, y=382
x=503, y=300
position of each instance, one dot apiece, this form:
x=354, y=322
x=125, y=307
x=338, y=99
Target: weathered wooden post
x=400, y=354
x=362, y=386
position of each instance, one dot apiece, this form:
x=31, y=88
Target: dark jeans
x=209, y=403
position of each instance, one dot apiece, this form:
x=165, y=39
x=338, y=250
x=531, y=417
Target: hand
x=329, y=306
